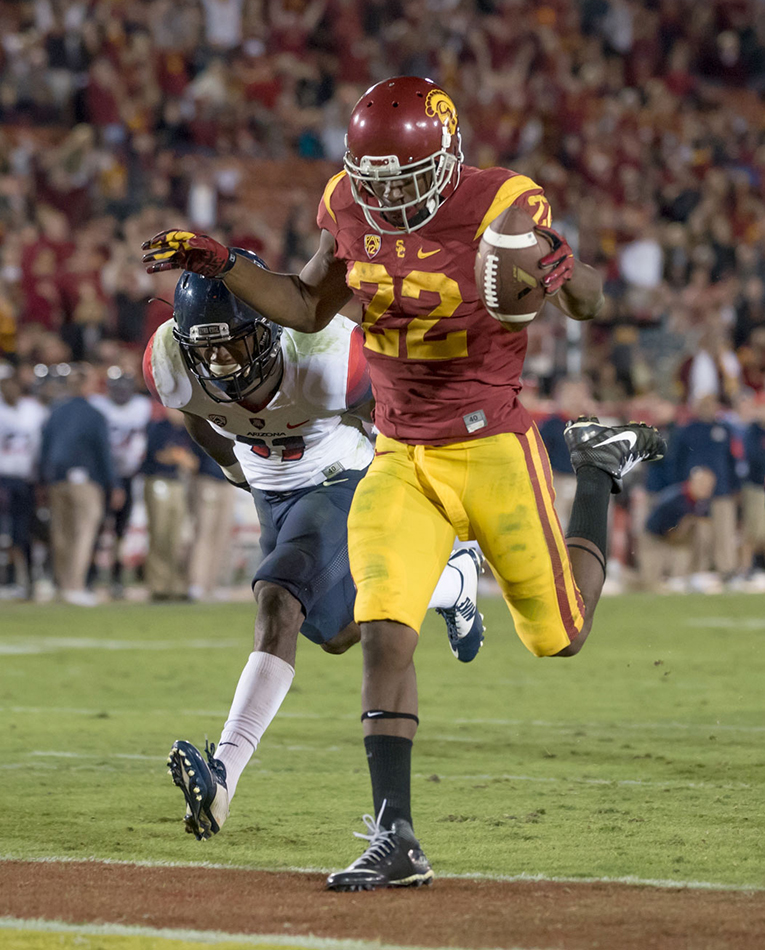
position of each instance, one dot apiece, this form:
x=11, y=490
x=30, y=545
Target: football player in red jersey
x=457, y=452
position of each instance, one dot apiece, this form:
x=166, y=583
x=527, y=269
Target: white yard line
x=739, y=623
x=37, y=645
x=630, y=880
x=669, y=783
x=91, y=755
x=470, y=777
x=208, y=937
x=564, y=726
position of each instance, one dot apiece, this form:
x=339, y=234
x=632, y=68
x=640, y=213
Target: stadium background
x=642, y=120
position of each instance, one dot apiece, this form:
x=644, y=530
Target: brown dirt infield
x=458, y=913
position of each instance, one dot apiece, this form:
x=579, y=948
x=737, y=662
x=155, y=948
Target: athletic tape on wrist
x=384, y=714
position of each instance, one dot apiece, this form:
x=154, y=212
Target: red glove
x=185, y=250
x=560, y=259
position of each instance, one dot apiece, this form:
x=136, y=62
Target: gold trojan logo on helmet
x=438, y=104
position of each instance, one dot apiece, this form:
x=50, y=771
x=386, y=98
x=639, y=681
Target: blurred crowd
x=642, y=119
x=693, y=521
x=100, y=490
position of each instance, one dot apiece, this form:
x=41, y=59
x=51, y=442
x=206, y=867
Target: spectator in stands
x=667, y=545
x=21, y=422
x=127, y=414
x=170, y=462
x=212, y=507
x=77, y=469
x=713, y=369
x=706, y=440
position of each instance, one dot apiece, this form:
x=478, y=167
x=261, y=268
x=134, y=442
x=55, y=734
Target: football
x=507, y=271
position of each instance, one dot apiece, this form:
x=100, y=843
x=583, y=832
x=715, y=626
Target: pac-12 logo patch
x=371, y=244
x=257, y=423
x=217, y=420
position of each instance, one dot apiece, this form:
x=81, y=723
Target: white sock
x=448, y=588
x=265, y=681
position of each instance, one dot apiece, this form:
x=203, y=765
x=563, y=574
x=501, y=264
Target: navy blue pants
x=17, y=508
x=304, y=539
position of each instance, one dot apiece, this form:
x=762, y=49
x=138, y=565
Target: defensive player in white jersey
x=283, y=414
x=21, y=422
x=127, y=415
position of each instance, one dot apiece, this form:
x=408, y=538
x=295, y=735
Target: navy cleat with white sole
x=203, y=785
x=614, y=449
x=393, y=858
x=464, y=624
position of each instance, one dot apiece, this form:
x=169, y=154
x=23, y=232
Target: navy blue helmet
x=230, y=348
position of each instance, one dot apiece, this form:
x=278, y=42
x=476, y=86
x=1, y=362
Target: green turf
x=642, y=756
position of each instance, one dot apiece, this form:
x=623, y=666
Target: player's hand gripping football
x=560, y=259
x=185, y=250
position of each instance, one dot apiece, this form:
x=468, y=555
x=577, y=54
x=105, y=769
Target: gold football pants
x=497, y=491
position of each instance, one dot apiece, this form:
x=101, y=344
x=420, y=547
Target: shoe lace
x=380, y=839
x=217, y=768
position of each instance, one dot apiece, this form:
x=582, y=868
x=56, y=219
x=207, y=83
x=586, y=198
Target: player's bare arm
x=579, y=287
x=581, y=297
x=218, y=447
x=305, y=302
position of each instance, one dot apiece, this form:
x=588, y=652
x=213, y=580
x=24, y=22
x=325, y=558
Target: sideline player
x=281, y=412
x=127, y=414
x=400, y=227
x=22, y=419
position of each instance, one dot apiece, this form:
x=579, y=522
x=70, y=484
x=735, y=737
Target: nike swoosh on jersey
x=298, y=424
x=620, y=437
x=423, y=254
x=335, y=481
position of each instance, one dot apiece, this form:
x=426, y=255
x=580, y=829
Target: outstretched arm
x=305, y=302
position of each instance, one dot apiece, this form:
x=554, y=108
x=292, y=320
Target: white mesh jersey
x=20, y=436
x=308, y=431
x=127, y=430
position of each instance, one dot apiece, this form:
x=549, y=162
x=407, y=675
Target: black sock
x=589, y=513
x=390, y=768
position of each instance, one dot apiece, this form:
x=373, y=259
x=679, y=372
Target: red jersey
x=442, y=369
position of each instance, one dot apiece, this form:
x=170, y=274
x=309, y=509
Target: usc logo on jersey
x=371, y=244
x=438, y=104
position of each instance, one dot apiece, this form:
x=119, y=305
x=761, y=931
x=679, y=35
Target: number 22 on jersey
x=387, y=340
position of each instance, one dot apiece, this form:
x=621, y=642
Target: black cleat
x=394, y=858
x=203, y=785
x=614, y=449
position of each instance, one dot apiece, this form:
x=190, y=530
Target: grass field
x=642, y=757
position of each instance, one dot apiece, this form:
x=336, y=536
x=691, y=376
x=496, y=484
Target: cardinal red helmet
x=403, y=152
